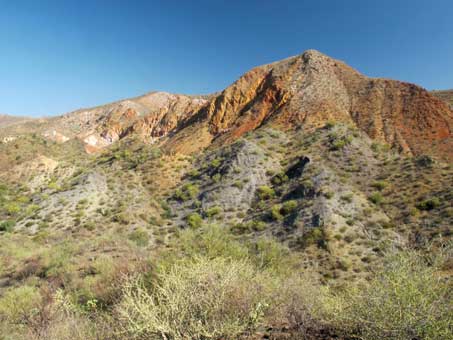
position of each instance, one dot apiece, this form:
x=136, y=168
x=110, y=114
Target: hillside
x=7, y=120
x=446, y=96
x=305, y=165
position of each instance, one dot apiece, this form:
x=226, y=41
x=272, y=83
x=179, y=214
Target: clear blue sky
x=57, y=56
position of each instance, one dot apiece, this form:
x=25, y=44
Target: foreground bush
x=199, y=299
x=219, y=288
x=407, y=299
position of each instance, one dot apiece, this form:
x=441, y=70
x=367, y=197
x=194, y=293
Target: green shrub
x=379, y=185
x=188, y=191
x=215, y=163
x=242, y=228
x=7, y=225
x=347, y=197
x=314, y=236
x=12, y=208
x=194, y=220
x=213, y=211
x=429, y=204
x=238, y=184
x=288, y=207
x=276, y=214
x=265, y=192
x=406, y=299
x=18, y=304
x=279, y=178
x=217, y=177
x=376, y=198
x=140, y=237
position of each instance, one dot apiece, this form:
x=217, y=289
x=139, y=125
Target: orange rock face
x=309, y=90
x=304, y=91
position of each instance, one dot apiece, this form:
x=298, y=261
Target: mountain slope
x=305, y=92
x=311, y=89
x=446, y=95
x=7, y=120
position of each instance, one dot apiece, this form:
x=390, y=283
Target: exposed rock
x=55, y=136
x=311, y=89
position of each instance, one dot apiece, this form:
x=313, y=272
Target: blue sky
x=57, y=56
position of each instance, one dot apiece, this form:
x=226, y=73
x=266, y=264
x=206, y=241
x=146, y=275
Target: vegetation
x=406, y=299
x=194, y=220
x=265, y=192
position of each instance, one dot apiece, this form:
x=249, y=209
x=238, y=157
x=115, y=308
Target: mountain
x=446, y=96
x=310, y=165
x=305, y=91
x=7, y=120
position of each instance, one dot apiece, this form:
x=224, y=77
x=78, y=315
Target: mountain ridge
x=303, y=91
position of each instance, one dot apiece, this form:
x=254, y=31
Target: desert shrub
x=429, y=204
x=216, y=177
x=379, y=185
x=424, y=161
x=376, y=198
x=194, y=220
x=338, y=143
x=194, y=173
x=140, y=237
x=328, y=194
x=238, y=184
x=314, y=236
x=7, y=225
x=213, y=211
x=347, y=197
x=196, y=299
x=18, y=304
x=247, y=227
x=275, y=212
x=265, y=192
x=12, y=208
x=329, y=125
x=288, y=207
x=57, y=261
x=188, y=191
x=406, y=299
x=215, y=163
x=279, y=178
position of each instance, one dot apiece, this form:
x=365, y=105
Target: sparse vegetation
x=265, y=192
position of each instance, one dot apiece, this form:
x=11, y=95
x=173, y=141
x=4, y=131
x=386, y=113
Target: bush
x=213, y=211
x=17, y=304
x=12, y=209
x=194, y=220
x=379, y=185
x=196, y=299
x=276, y=212
x=140, y=237
x=7, y=226
x=429, y=204
x=188, y=191
x=376, y=198
x=265, y=193
x=313, y=236
x=280, y=178
x=248, y=227
x=406, y=299
x=288, y=207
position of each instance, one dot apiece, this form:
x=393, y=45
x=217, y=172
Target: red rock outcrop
x=311, y=89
